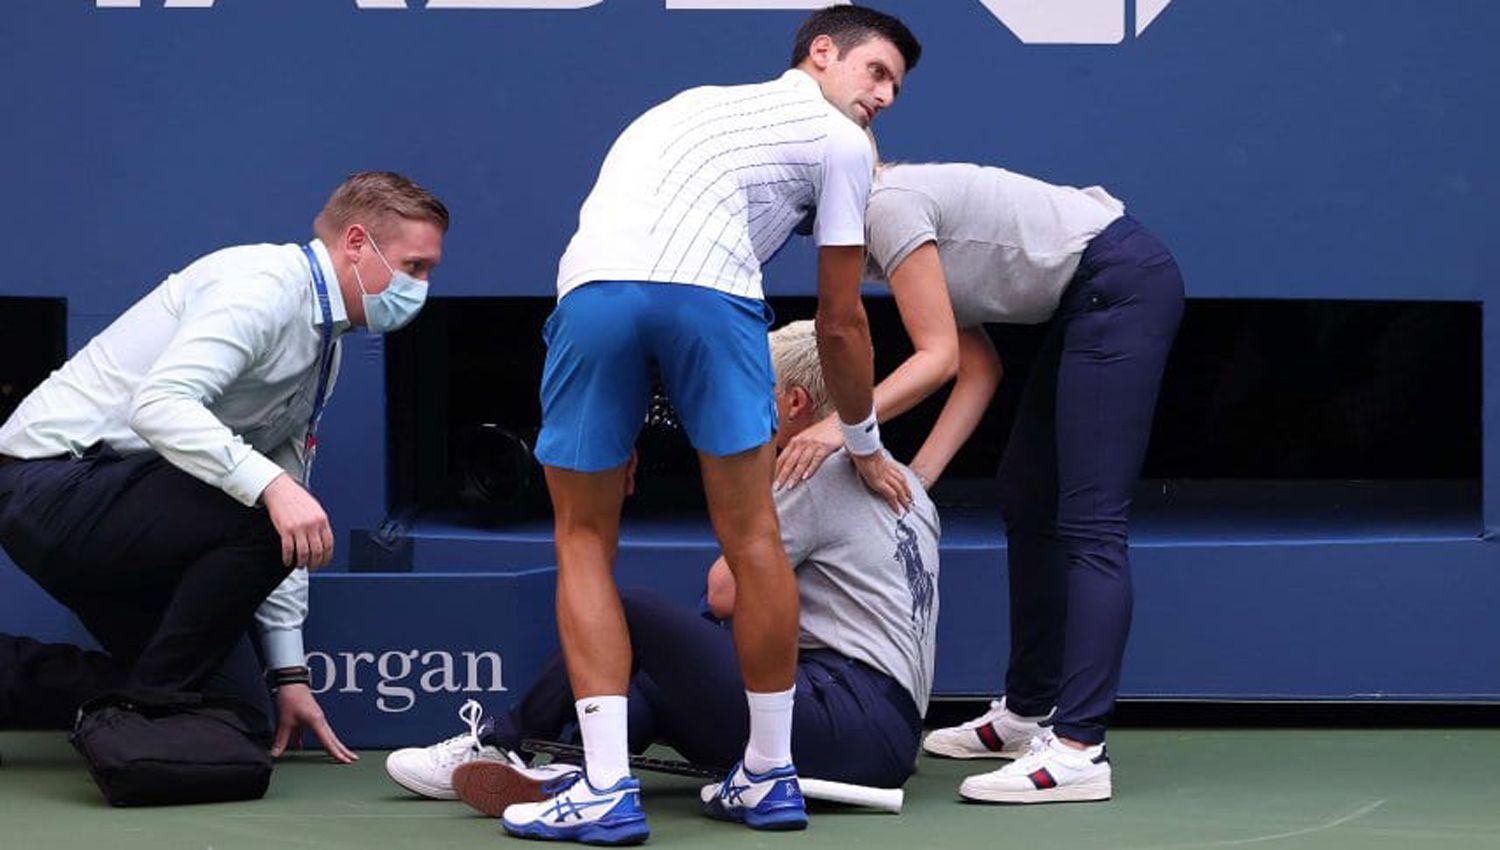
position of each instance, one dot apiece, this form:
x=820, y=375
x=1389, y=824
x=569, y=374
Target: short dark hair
x=850, y=26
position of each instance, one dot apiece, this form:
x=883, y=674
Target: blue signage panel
x=1284, y=149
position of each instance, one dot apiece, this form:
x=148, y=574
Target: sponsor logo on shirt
x=918, y=578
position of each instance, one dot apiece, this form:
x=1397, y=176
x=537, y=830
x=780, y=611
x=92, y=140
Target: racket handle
x=884, y=799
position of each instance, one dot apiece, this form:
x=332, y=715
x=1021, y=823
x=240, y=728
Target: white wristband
x=863, y=438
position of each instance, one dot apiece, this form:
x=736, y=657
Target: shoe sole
x=1082, y=793
x=489, y=787
x=776, y=820
x=616, y=835
x=789, y=820
x=951, y=751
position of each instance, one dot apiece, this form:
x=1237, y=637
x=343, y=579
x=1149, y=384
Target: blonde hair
x=794, y=354
x=371, y=198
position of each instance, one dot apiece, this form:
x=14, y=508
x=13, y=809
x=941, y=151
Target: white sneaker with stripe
x=997, y=734
x=1050, y=772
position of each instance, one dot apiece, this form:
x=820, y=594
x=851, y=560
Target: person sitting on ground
x=963, y=246
x=867, y=580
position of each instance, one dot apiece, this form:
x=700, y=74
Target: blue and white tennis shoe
x=577, y=811
x=772, y=800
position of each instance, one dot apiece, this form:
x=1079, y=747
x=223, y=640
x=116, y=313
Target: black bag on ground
x=148, y=748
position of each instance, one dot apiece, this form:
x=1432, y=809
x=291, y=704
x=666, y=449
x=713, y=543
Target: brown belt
x=4, y=459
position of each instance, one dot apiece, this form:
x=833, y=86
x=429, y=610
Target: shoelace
x=459, y=745
x=1036, y=754
x=731, y=793
x=988, y=717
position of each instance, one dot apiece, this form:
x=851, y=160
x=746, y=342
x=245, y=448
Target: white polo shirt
x=705, y=188
x=216, y=370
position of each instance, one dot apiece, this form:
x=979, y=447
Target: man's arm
x=223, y=332
x=848, y=361
x=279, y=622
x=279, y=619
x=922, y=298
x=843, y=329
x=721, y=589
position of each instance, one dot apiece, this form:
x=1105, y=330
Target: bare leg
x=590, y=619
x=744, y=519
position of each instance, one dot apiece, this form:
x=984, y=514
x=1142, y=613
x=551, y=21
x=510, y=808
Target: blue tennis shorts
x=709, y=347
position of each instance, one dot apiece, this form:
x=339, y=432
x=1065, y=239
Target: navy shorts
x=603, y=340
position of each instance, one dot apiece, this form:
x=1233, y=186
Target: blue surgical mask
x=394, y=308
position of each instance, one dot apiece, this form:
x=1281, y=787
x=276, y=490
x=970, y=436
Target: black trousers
x=1069, y=469
x=850, y=723
x=165, y=572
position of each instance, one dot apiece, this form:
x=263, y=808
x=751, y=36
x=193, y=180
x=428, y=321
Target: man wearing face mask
x=156, y=483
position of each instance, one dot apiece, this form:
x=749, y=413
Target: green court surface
x=1397, y=788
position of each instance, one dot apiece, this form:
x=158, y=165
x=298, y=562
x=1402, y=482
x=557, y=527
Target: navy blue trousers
x=165, y=572
x=1073, y=459
x=851, y=723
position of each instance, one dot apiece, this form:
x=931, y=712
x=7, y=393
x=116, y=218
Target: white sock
x=1077, y=758
x=1019, y=716
x=606, y=751
x=770, y=743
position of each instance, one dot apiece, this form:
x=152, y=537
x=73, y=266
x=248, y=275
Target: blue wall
x=1337, y=149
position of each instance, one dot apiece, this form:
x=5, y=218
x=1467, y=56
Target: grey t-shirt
x=1009, y=244
x=868, y=579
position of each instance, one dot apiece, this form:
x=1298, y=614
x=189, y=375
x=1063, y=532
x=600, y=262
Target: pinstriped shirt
x=704, y=188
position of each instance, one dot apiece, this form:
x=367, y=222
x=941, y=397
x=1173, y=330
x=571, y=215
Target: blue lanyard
x=325, y=361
